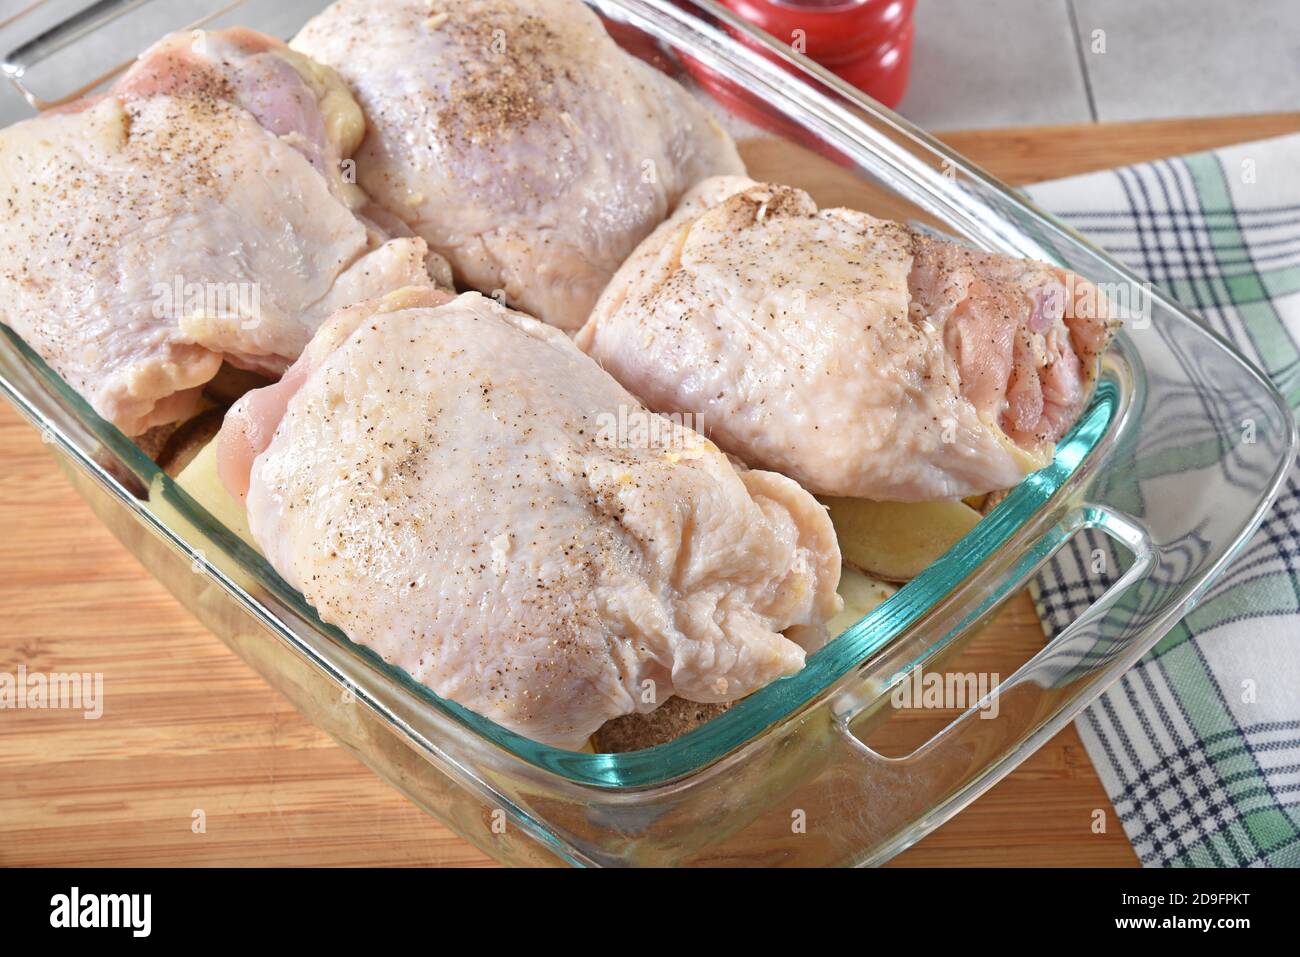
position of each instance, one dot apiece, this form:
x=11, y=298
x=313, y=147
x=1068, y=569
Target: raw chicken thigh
x=517, y=138
x=850, y=353
x=446, y=483
x=197, y=211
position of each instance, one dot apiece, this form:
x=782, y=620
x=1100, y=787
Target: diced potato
x=861, y=594
x=201, y=481
x=897, y=540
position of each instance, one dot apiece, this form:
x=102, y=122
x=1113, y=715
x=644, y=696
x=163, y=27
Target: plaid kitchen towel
x=1198, y=772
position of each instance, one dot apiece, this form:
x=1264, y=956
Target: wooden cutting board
x=188, y=727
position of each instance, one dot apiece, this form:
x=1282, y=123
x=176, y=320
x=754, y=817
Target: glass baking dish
x=1180, y=453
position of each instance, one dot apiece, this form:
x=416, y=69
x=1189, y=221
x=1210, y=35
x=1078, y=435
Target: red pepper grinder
x=868, y=43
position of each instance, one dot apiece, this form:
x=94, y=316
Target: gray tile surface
x=1167, y=58
x=985, y=63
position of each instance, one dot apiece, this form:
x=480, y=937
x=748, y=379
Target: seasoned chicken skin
x=850, y=353
x=517, y=138
x=448, y=483
x=197, y=211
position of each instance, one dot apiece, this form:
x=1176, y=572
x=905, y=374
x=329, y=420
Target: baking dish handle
x=1023, y=712
x=1017, y=716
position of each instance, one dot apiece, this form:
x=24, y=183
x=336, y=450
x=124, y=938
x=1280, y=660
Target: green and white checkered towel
x=1203, y=768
